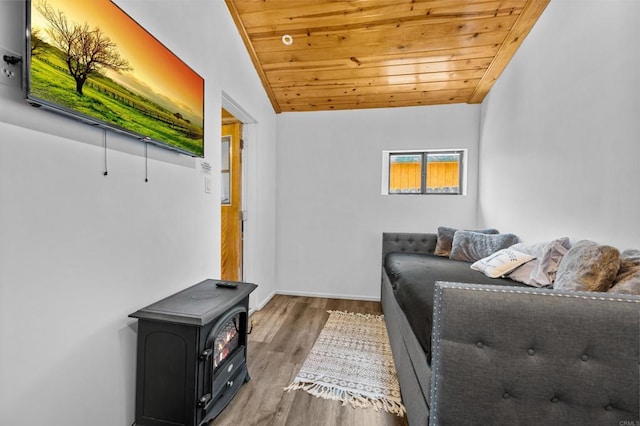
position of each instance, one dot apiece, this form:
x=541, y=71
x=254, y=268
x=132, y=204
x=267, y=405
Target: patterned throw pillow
x=445, y=239
x=588, y=266
x=628, y=279
x=501, y=262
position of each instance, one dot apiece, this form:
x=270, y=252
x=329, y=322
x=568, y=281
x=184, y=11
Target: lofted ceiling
x=356, y=54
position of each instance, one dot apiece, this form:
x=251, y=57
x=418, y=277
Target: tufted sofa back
x=408, y=242
x=514, y=356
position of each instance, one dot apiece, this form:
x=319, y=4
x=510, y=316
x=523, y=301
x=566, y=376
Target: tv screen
x=91, y=60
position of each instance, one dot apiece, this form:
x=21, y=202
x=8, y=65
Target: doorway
x=231, y=201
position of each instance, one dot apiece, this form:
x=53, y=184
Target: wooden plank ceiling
x=381, y=53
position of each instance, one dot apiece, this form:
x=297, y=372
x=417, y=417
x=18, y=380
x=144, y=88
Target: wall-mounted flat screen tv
x=90, y=60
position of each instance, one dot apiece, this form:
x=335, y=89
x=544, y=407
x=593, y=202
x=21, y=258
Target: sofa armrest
x=408, y=242
x=518, y=356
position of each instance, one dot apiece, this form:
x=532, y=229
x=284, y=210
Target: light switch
x=207, y=185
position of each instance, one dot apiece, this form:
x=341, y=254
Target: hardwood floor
x=283, y=333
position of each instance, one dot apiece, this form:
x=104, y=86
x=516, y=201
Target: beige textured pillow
x=445, y=239
x=588, y=266
x=628, y=279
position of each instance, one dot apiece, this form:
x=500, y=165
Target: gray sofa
x=502, y=353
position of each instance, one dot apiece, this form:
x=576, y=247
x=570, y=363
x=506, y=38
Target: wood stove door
x=218, y=363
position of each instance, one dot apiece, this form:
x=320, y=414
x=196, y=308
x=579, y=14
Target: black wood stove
x=192, y=351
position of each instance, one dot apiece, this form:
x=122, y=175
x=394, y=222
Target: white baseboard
x=329, y=295
x=263, y=303
x=306, y=294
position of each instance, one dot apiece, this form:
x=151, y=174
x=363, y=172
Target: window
x=225, y=169
x=424, y=172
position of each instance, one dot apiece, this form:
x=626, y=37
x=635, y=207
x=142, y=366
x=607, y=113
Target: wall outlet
x=10, y=68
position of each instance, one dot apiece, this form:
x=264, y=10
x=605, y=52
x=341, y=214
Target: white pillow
x=539, y=249
x=501, y=262
x=542, y=271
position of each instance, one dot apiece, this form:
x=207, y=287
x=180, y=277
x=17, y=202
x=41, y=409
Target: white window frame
x=385, y=167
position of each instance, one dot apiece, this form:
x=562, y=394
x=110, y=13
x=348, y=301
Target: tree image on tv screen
x=36, y=41
x=86, y=49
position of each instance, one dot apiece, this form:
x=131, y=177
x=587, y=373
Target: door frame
x=248, y=182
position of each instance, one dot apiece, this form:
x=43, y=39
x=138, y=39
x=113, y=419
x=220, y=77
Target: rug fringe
x=355, y=399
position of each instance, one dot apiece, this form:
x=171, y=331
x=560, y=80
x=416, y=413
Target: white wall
x=240, y=82
x=560, y=138
x=80, y=251
x=331, y=213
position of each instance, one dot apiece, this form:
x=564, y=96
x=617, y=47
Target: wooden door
x=231, y=203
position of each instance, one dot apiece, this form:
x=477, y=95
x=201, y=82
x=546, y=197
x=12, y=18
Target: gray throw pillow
x=470, y=246
x=588, y=266
x=445, y=239
x=628, y=278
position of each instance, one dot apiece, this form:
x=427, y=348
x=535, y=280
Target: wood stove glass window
x=227, y=341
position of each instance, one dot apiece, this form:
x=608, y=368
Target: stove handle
x=206, y=354
x=204, y=400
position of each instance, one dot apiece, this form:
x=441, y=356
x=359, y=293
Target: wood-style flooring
x=283, y=333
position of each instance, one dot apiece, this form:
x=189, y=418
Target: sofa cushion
x=501, y=262
x=540, y=272
x=628, y=279
x=470, y=246
x=445, y=239
x=413, y=277
x=588, y=266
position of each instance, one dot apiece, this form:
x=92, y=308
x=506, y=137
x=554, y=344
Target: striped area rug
x=351, y=362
